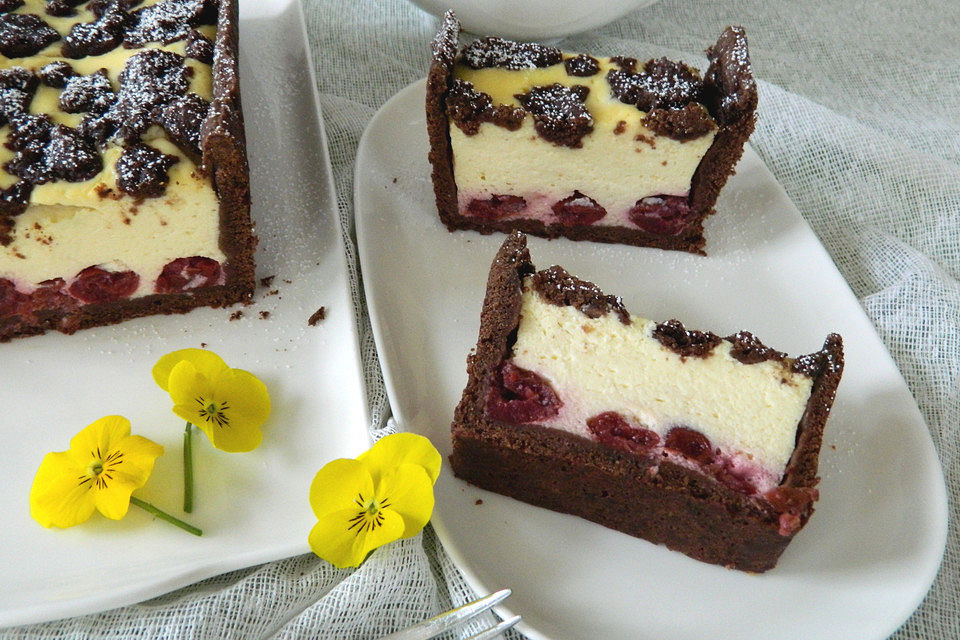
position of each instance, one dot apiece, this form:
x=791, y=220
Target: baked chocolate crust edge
x=731, y=98
x=223, y=144
x=225, y=156
x=444, y=51
x=665, y=504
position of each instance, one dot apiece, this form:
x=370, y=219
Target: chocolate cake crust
x=659, y=501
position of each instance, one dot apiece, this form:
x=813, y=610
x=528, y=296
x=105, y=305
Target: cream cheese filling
x=597, y=365
x=621, y=160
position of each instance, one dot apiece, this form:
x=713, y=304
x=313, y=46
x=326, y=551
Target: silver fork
x=445, y=621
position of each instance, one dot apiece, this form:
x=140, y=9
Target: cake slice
x=525, y=136
x=707, y=445
x=124, y=186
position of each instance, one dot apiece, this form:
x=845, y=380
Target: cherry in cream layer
x=619, y=172
x=89, y=239
x=614, y=382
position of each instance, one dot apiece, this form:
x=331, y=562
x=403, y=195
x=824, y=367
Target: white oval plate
x=858, y=569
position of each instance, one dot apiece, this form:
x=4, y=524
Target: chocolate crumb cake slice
x=707, y=445
x=124, y=186
x=524, y=136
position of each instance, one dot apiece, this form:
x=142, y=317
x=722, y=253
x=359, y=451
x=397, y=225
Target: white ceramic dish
x=252, y=507
x=858, y=569
x=533, y=19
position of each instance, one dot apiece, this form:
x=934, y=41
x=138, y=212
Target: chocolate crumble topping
x=17, y=86
x=582, y=66
x=56, y=74
x=142, y=171
x=98, y=37
x=168, y=21
x=149, y=79
x=10, y=5
x=61, y=8
x=684, y=123
x=625, y=63
x=13, y=202
x=559, y=113
x=685, y=343
x=24, y=34
x=71, y=157
x=662, y=83
x=748, y=349
x=181, y=118
x=469, y=108
x=199, y=47
x=92, y=94
x=558, y=287
x=507, y=54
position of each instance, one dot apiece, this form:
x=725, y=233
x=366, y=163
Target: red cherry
x=578, y=209
x=612, y=429
x=520, y=396
x=496, y=207
x=690, y=444
x=184, y=274
x=94, y=284
x=662, y=215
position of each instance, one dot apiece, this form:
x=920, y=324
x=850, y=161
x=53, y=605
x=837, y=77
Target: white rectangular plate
x=252, y=507
x=856, y=571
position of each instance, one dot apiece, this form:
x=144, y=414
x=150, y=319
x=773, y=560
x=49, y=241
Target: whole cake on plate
x=708, y=445
x=525, y=136
x=124, y=186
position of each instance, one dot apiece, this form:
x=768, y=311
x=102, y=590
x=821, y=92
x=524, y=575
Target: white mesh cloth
x=859, y=121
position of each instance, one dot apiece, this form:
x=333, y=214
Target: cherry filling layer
x=661, y=215
x=520, y=396
x=96, y=284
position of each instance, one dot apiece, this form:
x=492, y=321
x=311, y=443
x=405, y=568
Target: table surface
x=859, y=120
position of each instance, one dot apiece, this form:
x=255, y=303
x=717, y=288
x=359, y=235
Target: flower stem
x=163, y=515
x=188, y=469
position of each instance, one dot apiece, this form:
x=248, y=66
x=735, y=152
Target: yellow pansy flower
x=229, y=405
x=100, y=471
x=383, y=495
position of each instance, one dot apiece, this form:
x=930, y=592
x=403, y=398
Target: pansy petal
x=60, y=495
x=246, y=406
x=188, y=384
x=97, y=438
x=206, y=362
x=114, y=501
x=400, y=448
x=332, y=540
x=338, y=539
x=390, y=528
x=135, y=462
x=408, y=491
x=338, y=485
